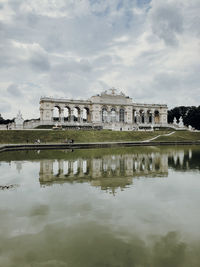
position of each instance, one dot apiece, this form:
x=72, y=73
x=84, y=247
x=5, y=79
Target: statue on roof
x=19, y=121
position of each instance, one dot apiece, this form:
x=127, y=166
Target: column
x=41, y=114
x=125, y=116
x=117, y=114
x=71, y=115
x=89, y=115
x=62, y=115
x=52, y=115
x=60, y=166
x=153, y=118
x=145, y=117
x=109, y=116
x=81, y=116
x=138, y=118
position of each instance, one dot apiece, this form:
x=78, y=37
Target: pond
x=100, y=207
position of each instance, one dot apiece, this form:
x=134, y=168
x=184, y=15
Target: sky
x=149, y=49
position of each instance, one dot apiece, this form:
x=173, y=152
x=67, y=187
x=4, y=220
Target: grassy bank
x=180, y=136
x=49, y=136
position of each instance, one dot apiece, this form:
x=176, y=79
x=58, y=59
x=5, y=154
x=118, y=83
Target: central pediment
x=111, y=96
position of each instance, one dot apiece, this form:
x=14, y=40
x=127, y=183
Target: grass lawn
x=84, y=136
x=180, y=136
x=50, y=136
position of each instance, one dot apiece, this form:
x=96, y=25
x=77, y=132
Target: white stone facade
x=109, y=110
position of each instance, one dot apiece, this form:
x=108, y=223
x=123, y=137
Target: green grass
x=180, y=136
x=50, y=136
x=59, y=136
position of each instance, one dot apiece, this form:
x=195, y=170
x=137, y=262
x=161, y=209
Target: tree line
x=190, y=115
x=3, y=121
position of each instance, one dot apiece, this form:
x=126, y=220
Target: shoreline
x=42, y=146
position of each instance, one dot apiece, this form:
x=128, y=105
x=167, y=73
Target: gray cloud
x=14, y=90
x=39, y=62
x=78, y=48
x=167, y=22
x=4, y=108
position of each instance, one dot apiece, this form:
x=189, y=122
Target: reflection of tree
x=182, y=160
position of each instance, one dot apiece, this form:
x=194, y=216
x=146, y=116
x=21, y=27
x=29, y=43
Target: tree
x=190, y=115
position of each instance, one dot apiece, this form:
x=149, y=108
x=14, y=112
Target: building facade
x=109, y=110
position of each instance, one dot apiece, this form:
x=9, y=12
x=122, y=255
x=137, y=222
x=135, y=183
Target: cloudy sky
x=149, y=49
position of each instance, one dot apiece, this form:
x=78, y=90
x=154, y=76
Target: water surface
x=100, y=207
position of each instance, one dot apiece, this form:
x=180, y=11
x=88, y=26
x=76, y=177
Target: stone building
x=109, y=110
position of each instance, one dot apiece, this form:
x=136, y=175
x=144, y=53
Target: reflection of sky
x=149, y=207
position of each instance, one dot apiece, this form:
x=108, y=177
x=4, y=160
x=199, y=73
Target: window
x=121, y=115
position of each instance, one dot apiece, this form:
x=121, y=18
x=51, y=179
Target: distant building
x=109, y=110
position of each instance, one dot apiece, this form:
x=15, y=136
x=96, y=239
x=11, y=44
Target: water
x=104, y=207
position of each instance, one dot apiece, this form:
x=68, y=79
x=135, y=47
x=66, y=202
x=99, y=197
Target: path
x=158, y=136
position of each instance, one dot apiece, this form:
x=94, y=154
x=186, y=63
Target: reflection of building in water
x=108, y=172
x=18, y=166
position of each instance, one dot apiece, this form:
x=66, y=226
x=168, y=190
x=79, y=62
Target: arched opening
x=149, y=116
x=157, y=116
x=56, y=113
x=134, y=116
x=67, y=114
x=113, y=115
x=121, y=115
x=104, y=115
x=76, y=114
x=86, y=114
x=142, y=119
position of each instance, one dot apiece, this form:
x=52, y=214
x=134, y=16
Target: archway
x=76, y=114
x=149, y=116
x=86, y=114
x=66, y=114
x=113, y=115
x=56, y=113
x=134, y=116
x=121, y=115
x=157, y=116
x=142, y=119
x=104, y=115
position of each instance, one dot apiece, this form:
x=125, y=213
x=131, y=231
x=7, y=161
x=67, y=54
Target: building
x=108, y=110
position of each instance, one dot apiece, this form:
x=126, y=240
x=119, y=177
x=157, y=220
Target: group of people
x=69, y=141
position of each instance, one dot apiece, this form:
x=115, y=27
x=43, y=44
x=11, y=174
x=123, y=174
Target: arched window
x=104, y=115
x=113, y=115
x=121, y=115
